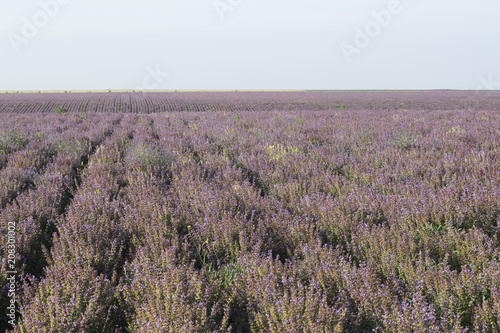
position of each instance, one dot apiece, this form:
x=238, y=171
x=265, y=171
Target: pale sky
x=249, y=44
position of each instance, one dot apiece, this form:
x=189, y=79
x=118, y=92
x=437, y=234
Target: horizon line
x=212, y=90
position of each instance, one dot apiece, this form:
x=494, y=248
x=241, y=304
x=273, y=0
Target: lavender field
x=240, y=101
x=251, y=212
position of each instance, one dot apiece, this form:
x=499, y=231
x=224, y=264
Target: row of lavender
x=154, y=102
x=264, y=222
x=38, y=180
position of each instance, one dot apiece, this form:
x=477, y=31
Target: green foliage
x=278, y=152
x=403, y=138
x=60, y=110
x=226, y=274
x=13, y=140
x=149, y=155
x=79, y=147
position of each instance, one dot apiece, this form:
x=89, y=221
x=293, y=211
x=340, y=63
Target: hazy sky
x=249, y=44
